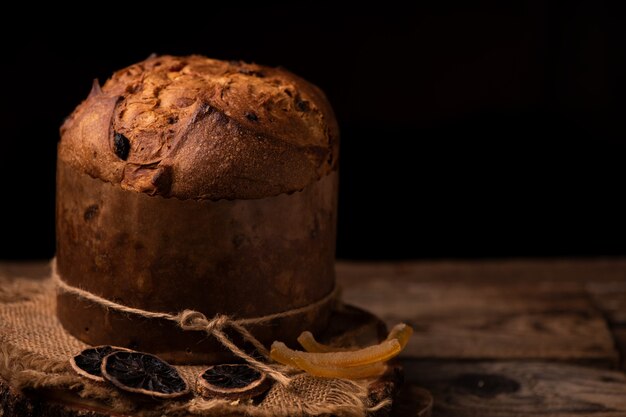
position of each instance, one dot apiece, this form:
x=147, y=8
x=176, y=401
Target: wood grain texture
x=610, y=297
x=619, y=334
x=413, y=401
x=493, y=320
x=524, y=270
x=512, y=389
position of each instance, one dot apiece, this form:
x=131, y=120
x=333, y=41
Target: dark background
x=481, y=130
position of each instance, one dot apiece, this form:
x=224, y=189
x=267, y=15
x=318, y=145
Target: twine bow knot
x=194, y=320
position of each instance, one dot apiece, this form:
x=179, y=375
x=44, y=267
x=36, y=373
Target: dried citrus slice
x=372, y=354
x=402, y=333
x=232, y=381
x=143, y=373
x=88, y=361
x=354, y=372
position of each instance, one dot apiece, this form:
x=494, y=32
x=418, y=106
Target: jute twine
x=35, y=352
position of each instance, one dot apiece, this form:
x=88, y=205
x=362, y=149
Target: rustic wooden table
x=497, y=338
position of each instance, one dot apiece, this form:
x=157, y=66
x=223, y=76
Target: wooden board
x=505, y=320
x=512, y=389
x=610, y=297
x=619, y=334
x=521, y=270
x=497, y=338
x=413, y=401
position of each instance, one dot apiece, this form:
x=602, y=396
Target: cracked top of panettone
x=199, y=128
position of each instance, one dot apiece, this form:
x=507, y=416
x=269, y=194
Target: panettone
x=192, y=183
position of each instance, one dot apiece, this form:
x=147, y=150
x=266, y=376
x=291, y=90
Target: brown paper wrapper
x=242, y=258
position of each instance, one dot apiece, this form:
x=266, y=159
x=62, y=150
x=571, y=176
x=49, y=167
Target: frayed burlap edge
x=306, y=396
x=26, y=371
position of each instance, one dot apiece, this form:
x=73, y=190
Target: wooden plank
x=412, y=401
x=522, y=270
x=610, y=297
x=522, y=310
x=619, y=333
x=546, y=320
x=512, y=389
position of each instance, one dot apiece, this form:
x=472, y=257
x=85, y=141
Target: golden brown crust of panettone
x=200, y=128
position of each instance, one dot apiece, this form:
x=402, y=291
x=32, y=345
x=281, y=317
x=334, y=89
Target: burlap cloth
x=35, y=352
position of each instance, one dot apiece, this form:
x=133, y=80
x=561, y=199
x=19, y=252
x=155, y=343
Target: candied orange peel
x=333, y=362
x=402, y=333
x=308, y=342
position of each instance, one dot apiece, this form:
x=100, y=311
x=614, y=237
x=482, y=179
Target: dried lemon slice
x=143, y=373
x=88, y=362
x=232, y=381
